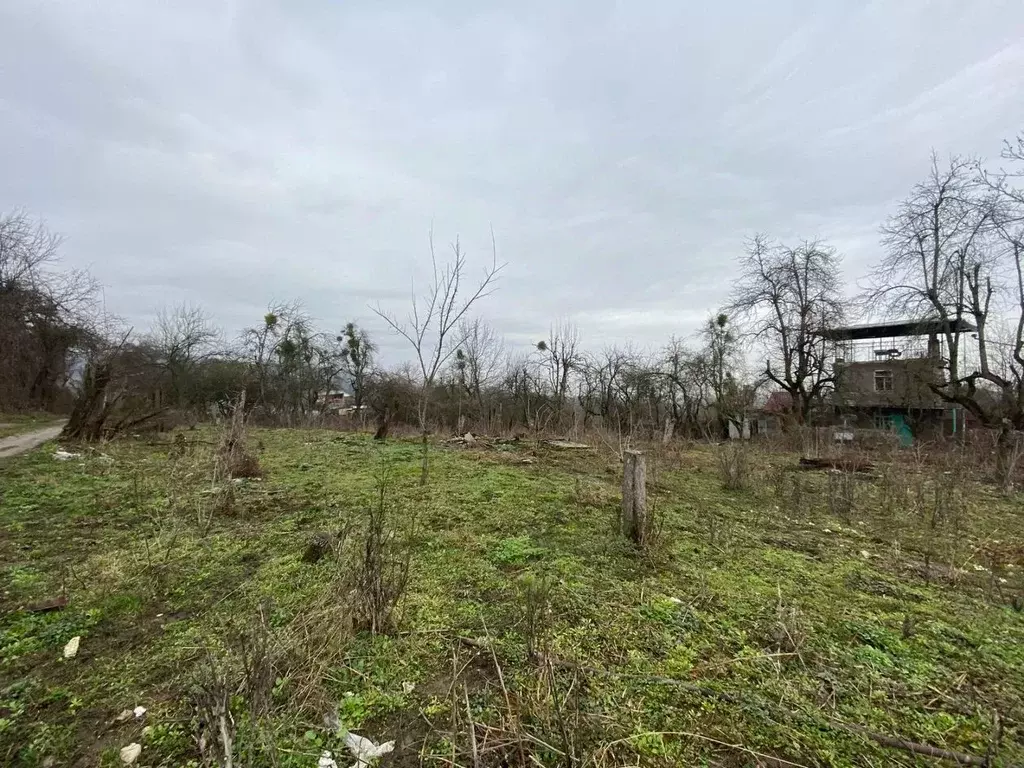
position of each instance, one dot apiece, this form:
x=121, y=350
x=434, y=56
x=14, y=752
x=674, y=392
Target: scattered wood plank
x=567, y=445
x=842, y=464
x=48, y=605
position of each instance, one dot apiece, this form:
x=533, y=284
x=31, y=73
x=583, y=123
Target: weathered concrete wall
x=910, y=378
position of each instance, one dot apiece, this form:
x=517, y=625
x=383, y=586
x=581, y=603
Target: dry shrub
x=315, y=644
x=232, y=695
x=587, y=493
x=734, y=465
x=233, y=456
x=791, y=491
x=383, y=561
x=535, y=595
x=842, y=494
x=789, y=630
x=212, y=700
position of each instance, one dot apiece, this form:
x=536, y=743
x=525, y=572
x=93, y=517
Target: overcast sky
x=230, y=153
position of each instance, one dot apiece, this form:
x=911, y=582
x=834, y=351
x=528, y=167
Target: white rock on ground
x=131, y=753
x=71, y=649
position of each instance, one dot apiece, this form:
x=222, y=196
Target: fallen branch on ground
x=912, y=746
x=845, y=465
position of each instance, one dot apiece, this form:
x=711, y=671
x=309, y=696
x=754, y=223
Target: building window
x=883, y=421
x=883, y=381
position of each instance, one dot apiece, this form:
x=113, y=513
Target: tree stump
x=633, y=519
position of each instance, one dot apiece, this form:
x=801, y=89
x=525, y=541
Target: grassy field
x=763, y=627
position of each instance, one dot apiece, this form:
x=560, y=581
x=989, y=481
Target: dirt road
x=12, y=446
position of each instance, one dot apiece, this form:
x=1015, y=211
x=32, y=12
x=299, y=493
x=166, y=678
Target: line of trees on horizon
x=953, y=251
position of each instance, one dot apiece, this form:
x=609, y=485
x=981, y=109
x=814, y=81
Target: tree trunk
x=1008, y=450
x=634, y=497
x=425, y=467
x=89, y=413
x=383, y=420
x=670, y=429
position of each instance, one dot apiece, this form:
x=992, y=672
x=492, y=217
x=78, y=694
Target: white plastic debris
x=139, y=712
x=71, y=649
x=408, y=687
x=326, y=760
x=60, y=455
x=675, y=601
x=865, y=554
x=364, y=750
x=131, y=753
x=124, y=716
x=980, y=567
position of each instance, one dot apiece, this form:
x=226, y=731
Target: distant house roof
x=895, y=328
x=778, y=402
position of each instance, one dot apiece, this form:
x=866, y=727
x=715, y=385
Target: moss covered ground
x=760, y=625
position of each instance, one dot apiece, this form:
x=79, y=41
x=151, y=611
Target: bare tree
x=786, y=297
x=717, y=365
x=478, y=358
x=560, y=356
x=46, y=314
x=598, y=382
x=116, y=390
x=358, y=352
x=183, y=337
x=955, y=247
x=294, y=364
x=687, y=391
x=431, y=327
x=260, y=343
x=523, y=389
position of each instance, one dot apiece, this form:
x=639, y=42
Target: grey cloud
x=230, y=153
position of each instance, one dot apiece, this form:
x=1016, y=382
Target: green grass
x=757, y=619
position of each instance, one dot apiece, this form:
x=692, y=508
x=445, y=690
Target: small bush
x=734, y=465
x=842, y=494
x=382, y=564
x=536, y=601
x=233, y=456
x=515, y=551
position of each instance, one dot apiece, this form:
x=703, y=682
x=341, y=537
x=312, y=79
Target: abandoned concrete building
x=883, y=372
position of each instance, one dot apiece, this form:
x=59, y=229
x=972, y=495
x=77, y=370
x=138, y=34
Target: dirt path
x=12, y=446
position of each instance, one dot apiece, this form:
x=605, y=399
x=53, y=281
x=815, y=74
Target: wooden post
x=634, y=496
